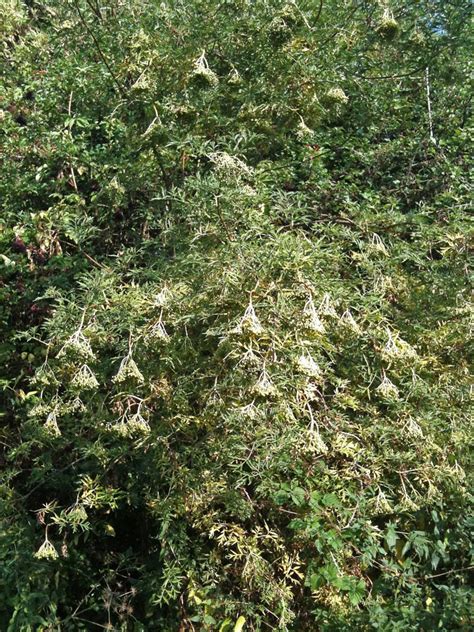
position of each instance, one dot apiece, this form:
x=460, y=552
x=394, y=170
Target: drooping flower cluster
x=303, y=132
x=162, y=298
x=84, y=379
x=131, y=421
x=264, y=386
x=387, y=389
x=348, y=321
x=249, y=323
x=202, y=71
x=312, y=321
x=308, y=365
x=51, y=424
x=158, y=332
x=77, y=344
x=46, y=551
x=336, y=96
x=128, y=370
x=396, y=347
x=388, y=27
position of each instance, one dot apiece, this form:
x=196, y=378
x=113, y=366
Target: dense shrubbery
x=235, y=314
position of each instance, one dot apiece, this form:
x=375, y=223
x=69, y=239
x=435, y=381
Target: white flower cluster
x=248, y=412
x=336, y=96
x=128, y=369
x=39, y=410
x=76, y=406
x=412, y=428
x=312, y=321
x=316, y=443
x=234, y=77
x=308, y=365
x=348, y=320
x=46, y=552
x=201, y=70
x=249, y=359
x=377, y=245
x=131, y=426
x=326, y=307
x=381, y=503
x=162, y=298
x=84, y=379
x=77, y=344
x=158, y=332
x=228, y=164
x=138, y=424
x=395, y=347
x=51, y=425
x=44, y=376
x=249, y=323
x=303, y=132
x=264, y=385
x=387, y=389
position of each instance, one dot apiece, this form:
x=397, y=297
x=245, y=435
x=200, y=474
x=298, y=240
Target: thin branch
x=453, y=570
x=99, y=50
x=95, y=10
x=428, y=101
x=320, y=9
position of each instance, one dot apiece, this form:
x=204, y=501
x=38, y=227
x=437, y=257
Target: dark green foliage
x=235, y=362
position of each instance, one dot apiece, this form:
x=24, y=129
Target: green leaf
x=391, y=536
x=239, y=625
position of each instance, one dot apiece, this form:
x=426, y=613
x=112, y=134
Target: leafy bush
x=235, y=314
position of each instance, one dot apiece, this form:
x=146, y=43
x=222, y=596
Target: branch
x=99, y=50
